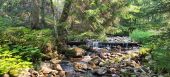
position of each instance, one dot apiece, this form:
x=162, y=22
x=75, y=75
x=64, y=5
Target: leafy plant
x=27, y=52
x=12, y=64
x=140, y=36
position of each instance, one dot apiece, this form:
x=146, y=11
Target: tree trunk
x=35, y=14
x=66, y=10
x=43, y=13
x=63, y=18
x=54, y=19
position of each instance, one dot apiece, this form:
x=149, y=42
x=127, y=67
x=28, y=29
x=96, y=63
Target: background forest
x=33, y=31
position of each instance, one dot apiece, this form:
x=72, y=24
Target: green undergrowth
x=141, y=36
x=25, y=36
x=12, y=64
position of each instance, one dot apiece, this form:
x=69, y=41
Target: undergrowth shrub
x=161, y=52
x=29, y=53
x=140, y=36
x=25, y=36
x=12, y=64
x=5, y=21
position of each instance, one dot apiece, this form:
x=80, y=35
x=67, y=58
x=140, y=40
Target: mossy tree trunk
x=35, y=14
x=64, y=17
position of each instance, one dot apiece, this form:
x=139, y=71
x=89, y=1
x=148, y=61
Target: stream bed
x=104, y=63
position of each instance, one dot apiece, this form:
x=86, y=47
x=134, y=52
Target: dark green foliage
x=25, y=36
x=5, y=21
x=29, y=53
x=160, y=45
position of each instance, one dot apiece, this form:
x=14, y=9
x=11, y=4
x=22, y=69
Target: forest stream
x=84, y=38
x=116, y=61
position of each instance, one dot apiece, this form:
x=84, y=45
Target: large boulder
x=75, y=52
x=79, y=51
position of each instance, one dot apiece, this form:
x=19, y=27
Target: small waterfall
x=89, y=43
x=95, y=44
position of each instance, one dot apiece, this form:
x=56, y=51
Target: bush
x=140, y=36
x=12, y=64
x=29, y=53
x=25, y=36
x=160, y=53
x=5, y=21
x=159, y=45
x=161, y=60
